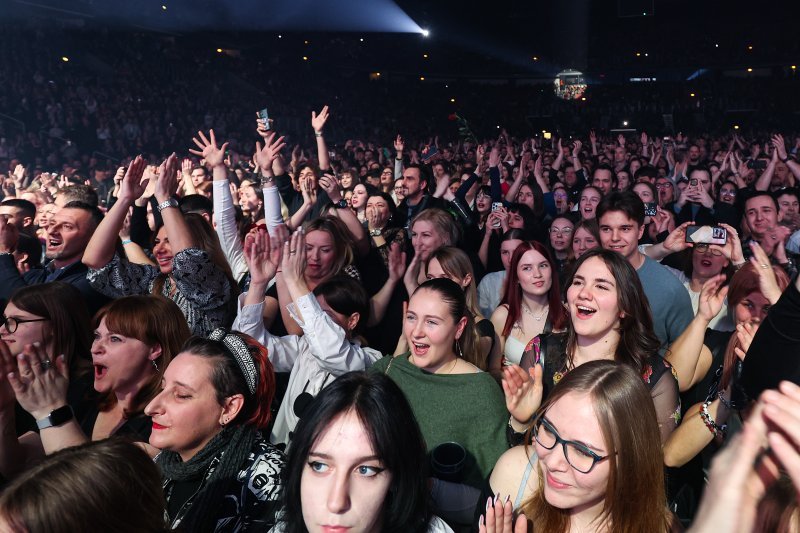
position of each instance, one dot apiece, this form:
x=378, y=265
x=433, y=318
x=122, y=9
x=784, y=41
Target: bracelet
x=317, y=134
x=717, y=431
x=126, y=241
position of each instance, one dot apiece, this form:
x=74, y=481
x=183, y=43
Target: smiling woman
x=595, y=463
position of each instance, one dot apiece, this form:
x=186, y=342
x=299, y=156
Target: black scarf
x=233, y=444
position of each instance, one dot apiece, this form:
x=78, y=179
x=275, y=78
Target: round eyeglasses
x=12, y=323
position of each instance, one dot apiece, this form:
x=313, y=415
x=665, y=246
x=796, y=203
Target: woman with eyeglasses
x=727, y=193
x=594, y=461
x=702, y=262
x=561, y=243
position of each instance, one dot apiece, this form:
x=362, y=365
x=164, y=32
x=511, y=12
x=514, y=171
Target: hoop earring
x=153, y=361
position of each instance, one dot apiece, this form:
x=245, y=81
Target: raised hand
x=744, y=334
x=261, y=257
x=780, y=145
x=399, y=144
x=712, y=297
x=766, y=276
x=576, y=148
x=133, y=185
x=167, y=181
x=9, y=236
x=676, y=241
x=733, y=248
x=213, y=154
x=523, y=391
x=494, y=157
x=293, y=262
x=328, y=184
x=40, y=384
x=266, y=155
x=397, y=262
x=318, y=121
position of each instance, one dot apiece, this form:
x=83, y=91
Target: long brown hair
x=343, y=245
x=153, y=320
x=635, y=500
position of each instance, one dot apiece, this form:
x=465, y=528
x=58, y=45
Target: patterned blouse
x=201, y=290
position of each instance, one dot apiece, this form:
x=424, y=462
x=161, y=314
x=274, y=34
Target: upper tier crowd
x=594, y=333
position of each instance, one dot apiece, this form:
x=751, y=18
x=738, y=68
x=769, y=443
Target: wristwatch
x=341, y=204
x=59, y=416
x=376, y=232
x=172, y=202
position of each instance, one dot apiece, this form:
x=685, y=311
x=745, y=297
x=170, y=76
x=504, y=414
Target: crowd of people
x=231, y=329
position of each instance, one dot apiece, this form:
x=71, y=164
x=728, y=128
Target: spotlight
x=794, y=67
x=583, y=98
x=305, y=58
x=65, y=59
x=453, y=100
x=426, y=33
x=219, y=50
x=362, y=39
x=736, y=126
x=691, y=94
x=163, y=7
x=624, y=122
x=749, y=69
x=422, y=78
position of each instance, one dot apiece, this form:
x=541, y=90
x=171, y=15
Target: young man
x=621, y=219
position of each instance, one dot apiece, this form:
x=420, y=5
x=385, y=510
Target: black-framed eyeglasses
x=11, y=323
x=703, y=248
x=578, y=455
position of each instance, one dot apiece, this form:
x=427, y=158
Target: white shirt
x=490, y=291
x=314, y=359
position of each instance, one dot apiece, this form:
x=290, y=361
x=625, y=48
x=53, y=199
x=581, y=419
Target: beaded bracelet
x=718, y=431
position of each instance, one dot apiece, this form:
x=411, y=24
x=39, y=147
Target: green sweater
x=465, y=408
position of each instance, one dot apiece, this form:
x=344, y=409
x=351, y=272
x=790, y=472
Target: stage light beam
x=426, y=32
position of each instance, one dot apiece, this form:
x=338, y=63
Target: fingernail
x=508, y=499
x=497, y=497
x=483, y=520
x=488, y=502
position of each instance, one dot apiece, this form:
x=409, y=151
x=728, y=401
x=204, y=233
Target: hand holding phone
x=706, y=235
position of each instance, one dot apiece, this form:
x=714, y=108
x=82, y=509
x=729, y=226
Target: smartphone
x=706, y=235
x=495, y=207
x=263, y=116
x=693, y=182
x=758, y=164
x=650, y=209
x=548, y=135
x=429, y=152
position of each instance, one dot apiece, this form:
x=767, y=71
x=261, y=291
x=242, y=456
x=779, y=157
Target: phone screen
x=706, y=235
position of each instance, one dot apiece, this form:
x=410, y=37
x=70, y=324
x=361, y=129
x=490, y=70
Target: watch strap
x=59, y=416
x=172, y=202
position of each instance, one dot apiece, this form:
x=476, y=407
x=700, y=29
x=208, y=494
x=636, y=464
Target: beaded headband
x=240, y=352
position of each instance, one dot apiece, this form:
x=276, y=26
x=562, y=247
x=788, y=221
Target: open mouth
x=54, y=243
x=706, y=263
x=419, y=348
x=584, y=311
x=100, y=371
x=164, y=260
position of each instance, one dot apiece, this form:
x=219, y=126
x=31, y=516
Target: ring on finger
x=46, y=365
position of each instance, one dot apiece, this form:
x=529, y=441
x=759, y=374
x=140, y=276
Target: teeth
x=585, y=309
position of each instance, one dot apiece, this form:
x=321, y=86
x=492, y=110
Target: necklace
x=527, y=311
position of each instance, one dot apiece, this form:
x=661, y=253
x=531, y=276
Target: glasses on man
x=703, y=248
x=578, y=455
x=560, y=231
x=12, y=323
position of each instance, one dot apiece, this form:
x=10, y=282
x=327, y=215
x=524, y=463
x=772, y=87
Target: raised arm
x=689, y=357
x=102, y=246
x=328, y=184
x=318, y=122
x=166, y=184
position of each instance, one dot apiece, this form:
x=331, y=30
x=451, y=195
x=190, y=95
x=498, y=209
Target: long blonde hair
x=635, y=500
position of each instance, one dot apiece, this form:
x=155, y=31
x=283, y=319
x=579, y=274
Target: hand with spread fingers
x=499, y=517
x=40, y=383
x=293, y=262
x=523, y=391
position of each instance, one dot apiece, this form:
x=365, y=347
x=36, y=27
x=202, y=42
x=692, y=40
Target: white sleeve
x=272, y=207
x=282, y=351
x=225, y=218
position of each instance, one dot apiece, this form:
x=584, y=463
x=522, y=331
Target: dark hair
x=95, y=213
x=528, y=216
x=646, y=171
x=792, y=191
x=79, y=192
x=515, y=233
x=28, y=208
x=626, y=201
x=637, y=340
x=32, y=248
x=538, y=197
x=393, y=218
x=757, y=194
x=68, y=320
x=512, y=296
x=346, y=296
x=111, y=484
x=196, y=203
x=395, y=437
x=228, y=378
x=423, y=175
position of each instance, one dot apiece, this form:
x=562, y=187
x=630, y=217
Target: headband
x=240, y=352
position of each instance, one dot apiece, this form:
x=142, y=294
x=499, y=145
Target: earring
x=458, y=349
x=153, y=361
x=224, y=421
